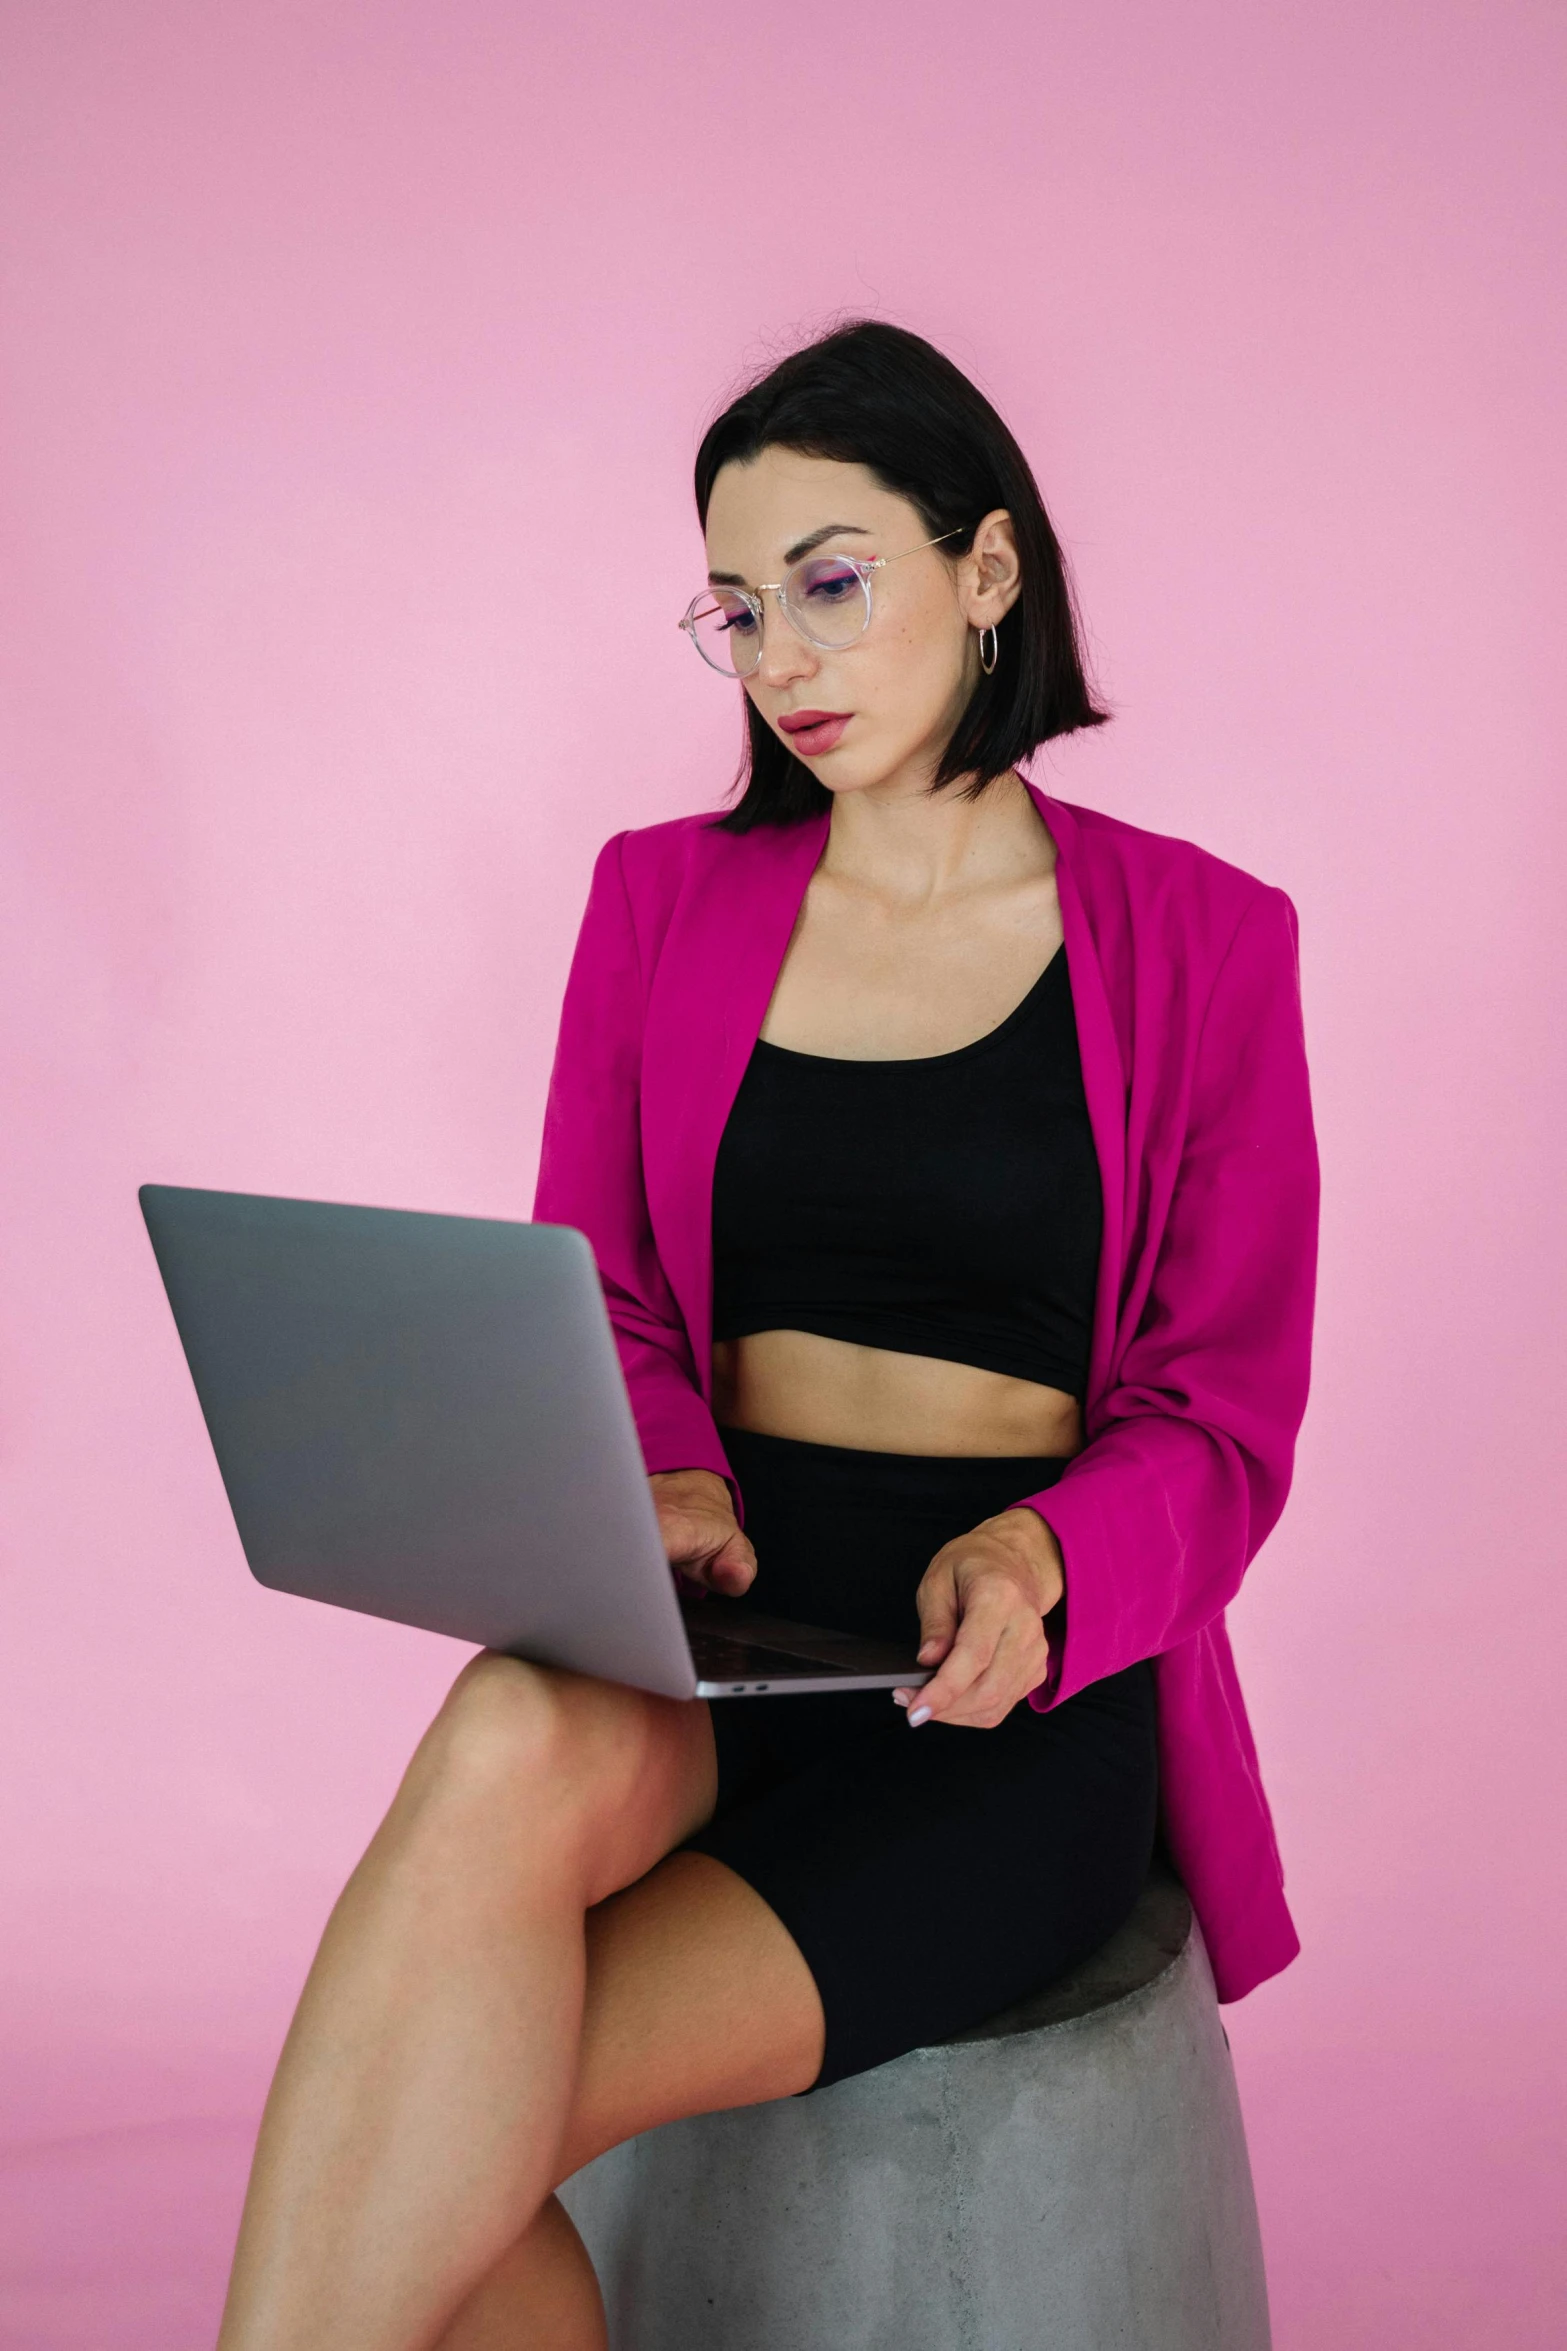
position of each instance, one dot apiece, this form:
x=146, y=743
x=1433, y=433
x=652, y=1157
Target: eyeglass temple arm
x=753, y=596
x=877, y=562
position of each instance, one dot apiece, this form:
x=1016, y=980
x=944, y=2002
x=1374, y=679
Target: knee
x=506, y=1727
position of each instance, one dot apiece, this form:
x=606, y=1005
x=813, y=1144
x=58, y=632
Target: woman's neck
x=916, y=847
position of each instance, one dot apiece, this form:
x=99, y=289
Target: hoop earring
x=989, y=667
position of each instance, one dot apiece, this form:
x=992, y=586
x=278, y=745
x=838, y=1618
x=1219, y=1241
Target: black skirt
x=930, y=1877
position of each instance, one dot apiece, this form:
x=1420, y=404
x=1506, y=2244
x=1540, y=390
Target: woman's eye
x=743, y=619
x=832, y=587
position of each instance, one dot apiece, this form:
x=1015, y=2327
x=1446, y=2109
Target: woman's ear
x=993, y=577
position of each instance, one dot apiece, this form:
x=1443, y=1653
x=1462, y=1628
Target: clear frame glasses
x=826, y=599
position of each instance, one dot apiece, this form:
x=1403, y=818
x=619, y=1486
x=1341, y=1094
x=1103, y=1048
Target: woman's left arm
x=983, y=1603
x=1146, y=1537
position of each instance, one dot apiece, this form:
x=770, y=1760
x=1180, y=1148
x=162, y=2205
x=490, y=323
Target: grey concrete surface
x=1070, y=2175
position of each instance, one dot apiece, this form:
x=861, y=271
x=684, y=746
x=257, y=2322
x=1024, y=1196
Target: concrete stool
x=1071, y=2174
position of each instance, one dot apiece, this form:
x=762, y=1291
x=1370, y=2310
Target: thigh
x=932, y=1877
x=697, y=1998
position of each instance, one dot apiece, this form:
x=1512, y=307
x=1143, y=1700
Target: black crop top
x=944, y=1206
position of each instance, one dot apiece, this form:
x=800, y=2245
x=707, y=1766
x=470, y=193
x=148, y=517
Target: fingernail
x=920, y=1714
x=900, y=1697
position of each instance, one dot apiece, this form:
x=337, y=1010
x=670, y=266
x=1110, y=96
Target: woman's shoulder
x=1129, y=874
x=657, y=881
x=686, y=858
x=652, y=856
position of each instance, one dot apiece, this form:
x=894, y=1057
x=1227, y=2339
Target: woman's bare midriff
x=833, y=1392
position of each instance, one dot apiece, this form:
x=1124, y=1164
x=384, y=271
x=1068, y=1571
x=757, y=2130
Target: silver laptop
x=423, y=1417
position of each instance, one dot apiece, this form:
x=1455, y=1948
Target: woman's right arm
x=696, y=1517
x=590, y=1176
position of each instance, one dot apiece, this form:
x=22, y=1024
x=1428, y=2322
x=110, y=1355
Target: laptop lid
x=423, y=1417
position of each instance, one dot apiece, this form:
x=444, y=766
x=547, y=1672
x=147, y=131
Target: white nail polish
x=920, y=1714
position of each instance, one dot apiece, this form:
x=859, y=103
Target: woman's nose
x=785, y=654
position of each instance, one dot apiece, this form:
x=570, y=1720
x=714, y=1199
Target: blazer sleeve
x=1160, y=1514
x=590, y=1175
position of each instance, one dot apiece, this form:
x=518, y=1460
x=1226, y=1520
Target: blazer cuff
x=1074, y=1659
x=1045, y=1693
x=678, y=1432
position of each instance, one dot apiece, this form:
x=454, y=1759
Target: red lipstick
x=811, y=732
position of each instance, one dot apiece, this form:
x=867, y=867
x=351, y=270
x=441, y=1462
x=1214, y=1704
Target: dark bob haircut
x=875, y=395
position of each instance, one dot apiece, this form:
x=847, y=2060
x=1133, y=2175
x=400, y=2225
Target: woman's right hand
x=697, y=1521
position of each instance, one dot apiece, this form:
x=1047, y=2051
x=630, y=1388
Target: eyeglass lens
x=826, y=599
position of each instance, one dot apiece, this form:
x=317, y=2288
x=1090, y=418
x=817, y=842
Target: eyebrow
x=798, y=552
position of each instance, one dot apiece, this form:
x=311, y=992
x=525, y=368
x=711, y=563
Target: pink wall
x=353, y=363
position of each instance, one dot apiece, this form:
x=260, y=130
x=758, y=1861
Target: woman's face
x=878, y=712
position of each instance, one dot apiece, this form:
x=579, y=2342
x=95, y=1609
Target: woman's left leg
x=416, y=2120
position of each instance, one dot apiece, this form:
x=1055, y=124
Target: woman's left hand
x=982, y=1603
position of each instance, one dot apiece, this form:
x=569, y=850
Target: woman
x=947, y=1154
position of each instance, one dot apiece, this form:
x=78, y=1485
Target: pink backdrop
x=354, y=359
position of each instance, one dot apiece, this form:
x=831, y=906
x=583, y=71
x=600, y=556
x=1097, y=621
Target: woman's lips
x=811, y=732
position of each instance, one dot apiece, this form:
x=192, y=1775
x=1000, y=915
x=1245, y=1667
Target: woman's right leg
x=697, y=1998
x=429, y=2080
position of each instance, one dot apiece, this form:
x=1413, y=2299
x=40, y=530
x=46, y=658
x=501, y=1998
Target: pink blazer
x=1185, y=979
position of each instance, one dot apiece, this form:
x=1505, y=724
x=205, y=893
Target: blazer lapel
x=709, y=997
x=1104, y=1082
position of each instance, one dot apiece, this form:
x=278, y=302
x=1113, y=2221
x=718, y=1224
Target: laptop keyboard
x=721, y=1660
